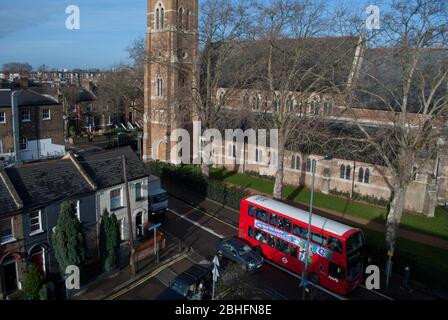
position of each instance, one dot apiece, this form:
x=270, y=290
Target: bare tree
x=299, y=68
x=405, y=74
x=223, y=27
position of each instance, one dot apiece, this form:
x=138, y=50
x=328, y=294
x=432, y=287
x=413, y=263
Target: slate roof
x=7, y=203
x=330, y=57
x=106, y=169
x=27, y=98
x=46, y=182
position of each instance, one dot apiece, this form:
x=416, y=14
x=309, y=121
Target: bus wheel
x=314, y=278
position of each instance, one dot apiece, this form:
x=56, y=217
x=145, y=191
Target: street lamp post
x=310, y=215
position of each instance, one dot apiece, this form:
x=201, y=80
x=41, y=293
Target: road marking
x=144, y=279
x=337, y=296
x=209, y=215
x=197, y=224
x=376, y=292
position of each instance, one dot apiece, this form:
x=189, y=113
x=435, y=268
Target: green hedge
x=194, y=181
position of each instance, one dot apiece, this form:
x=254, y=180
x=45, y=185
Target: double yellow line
x=145, y=278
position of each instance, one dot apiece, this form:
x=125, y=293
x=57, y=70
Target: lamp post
x=310, y=215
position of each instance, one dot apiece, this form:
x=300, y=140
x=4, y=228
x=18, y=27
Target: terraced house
x=12, y=249
x=37, y=133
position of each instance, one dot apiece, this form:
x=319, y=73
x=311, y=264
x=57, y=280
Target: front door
x=139, y=225
x=37, y=257
x=10, y=274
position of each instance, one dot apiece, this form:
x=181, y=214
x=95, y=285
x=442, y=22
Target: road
x=202, y=230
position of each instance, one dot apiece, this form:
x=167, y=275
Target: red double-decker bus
x=279, y=232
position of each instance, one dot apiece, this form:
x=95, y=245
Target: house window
x=256, y=103
x=46, y=114
x=121, y=224
x=258, y=155
x=25, y=115
x=139, y=191
x=342, y=172
x=295, y=162
x=345, y=172
x=6, y=234
x=308, y=165
x=361, y=175
x=276, y=104
x=246, y=102
x=23, y=143
x=2, y=117
x=290, y=104
x=116, y=200
x=367, y=176
x=35, y=222
x=328, y=108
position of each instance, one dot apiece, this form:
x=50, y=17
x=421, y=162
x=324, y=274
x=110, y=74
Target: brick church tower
x=172, y=44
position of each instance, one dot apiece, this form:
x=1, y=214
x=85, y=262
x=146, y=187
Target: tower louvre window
x=159, y=87
x=159, y=17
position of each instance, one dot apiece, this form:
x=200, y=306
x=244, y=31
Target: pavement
x=107, y=285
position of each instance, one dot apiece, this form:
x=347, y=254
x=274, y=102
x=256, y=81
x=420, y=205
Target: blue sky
x=34, y=31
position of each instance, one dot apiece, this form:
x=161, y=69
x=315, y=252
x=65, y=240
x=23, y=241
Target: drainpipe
x=15, y=124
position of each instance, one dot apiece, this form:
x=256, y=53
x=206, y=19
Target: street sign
x=154, y=227
x=215, y=269
x=215, y=274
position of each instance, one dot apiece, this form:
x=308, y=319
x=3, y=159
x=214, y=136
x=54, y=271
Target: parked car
x=193, y=284
x=241, y=253
x=158, y=197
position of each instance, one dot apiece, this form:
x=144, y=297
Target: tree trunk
x=279, y=175
x=395, y=213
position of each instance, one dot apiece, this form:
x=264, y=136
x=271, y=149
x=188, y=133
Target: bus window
x=335, y=271
x=271, y=241
x=251, y=211
x=262, y=215
x=319, y=239
x=335, y=244
x=260, y=236
x=274, y=220
x=294, y=251
x=355, y=242
x=299, y=231
x=250, y=232
x=282, y=246
x=284, y=224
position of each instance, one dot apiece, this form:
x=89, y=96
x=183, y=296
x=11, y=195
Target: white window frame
x=2, y=115
x=78, y=210
x=10, y=239
x=122, y=226
x=39, y=217
x=121, y=198
x=49, y=114
x=23, y=112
